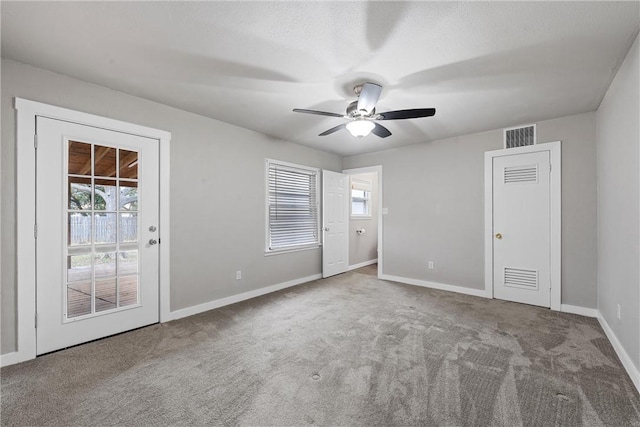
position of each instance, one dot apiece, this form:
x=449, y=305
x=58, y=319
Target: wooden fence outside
x=105, y=228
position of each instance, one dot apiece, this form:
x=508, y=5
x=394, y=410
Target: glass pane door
x=102, y=273
x=97, y=251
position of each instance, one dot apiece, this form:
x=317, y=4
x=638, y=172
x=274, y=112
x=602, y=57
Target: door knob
x=153, y=242
x=326, y=229
x=152, y=228
x=498, y=236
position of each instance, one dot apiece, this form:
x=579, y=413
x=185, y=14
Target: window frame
x=293, y=248
x=368, y=190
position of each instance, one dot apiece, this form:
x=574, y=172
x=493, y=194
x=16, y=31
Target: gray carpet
x=350, y=350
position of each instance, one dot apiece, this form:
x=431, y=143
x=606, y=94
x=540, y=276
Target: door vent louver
x=519, y=278
x=520, y=174
x=520, y=136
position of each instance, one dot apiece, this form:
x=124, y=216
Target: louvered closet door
x=521, y=228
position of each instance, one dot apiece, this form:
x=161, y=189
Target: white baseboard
x=12, y=358
x=200, y=308
x=434, y=285
x=582, y=311
x=631, y=369
x=362, y=264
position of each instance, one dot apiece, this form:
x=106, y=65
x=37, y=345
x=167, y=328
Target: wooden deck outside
x=79, y=288
x=79, y=295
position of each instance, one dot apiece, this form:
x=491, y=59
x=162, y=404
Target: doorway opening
x=365, y=220
x=79, y=185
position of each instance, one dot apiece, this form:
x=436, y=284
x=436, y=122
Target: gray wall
x=619, y=205
x=435, y=196
x=217, y=191
x=434, y=192
x=364, y=247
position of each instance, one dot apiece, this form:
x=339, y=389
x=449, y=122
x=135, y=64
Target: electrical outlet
x=238, y=275
x=431, y=265
x=619, y=313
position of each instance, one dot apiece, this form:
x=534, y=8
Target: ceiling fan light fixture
x=360, y=128
x=361, y=113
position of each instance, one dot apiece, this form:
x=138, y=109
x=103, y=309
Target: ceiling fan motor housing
x=352, y=110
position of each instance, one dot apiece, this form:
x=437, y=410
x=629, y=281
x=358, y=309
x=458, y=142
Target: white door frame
x=378, y=170
x=554, y=149
x=27, y=111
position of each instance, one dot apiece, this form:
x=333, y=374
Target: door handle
x=153, y=242
x=326, y=229
x=498, y=236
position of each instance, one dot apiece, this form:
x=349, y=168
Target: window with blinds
x=360, y=198
x=292, y=206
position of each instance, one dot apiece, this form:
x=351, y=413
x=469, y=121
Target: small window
x=292, y=207
x=360, y=198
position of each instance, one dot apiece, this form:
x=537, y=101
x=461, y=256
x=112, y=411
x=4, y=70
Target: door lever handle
x=326, y=229
x=153, y=242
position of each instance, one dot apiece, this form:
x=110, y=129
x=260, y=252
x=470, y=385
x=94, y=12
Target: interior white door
x=521, y=228
x=97, y=233
x=335, y=216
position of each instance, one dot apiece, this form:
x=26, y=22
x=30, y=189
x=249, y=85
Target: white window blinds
x=292, y=206
x=360, y=184
x=360, y=197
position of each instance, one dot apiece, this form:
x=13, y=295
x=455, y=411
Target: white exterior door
x=522, y=228
x=97, y=210
x=335, y=216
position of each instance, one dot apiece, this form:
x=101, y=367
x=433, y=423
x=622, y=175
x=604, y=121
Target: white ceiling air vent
x=520, y=136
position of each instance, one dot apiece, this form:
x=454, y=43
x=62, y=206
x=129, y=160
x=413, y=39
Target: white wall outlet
x=238, y=275
x=431, y=265
x=619, y=313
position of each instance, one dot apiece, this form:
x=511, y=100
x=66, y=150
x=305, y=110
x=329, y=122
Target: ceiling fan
x=362, y=113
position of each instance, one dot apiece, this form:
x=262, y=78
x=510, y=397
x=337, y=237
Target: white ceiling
x=482, y=65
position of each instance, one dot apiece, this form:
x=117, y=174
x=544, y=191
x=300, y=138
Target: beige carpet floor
x=349, y=350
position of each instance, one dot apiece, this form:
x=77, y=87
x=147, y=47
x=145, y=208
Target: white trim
x=295, y=249
x=434, y=285
x=362, y=264
x=626, y=360
x=65, y=114
x=556, y=223
x=378, y=169
x=25, y=242
x=26, y=114
x=582, y=311
x=555, y=153
x=488, y=225
x=201, y=308
x=10, y=359
x=165, y=229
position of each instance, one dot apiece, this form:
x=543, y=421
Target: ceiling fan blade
x=368, y=97
x=332, y=130
x=319, y=113
x=408, y=114
x=381, y=131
